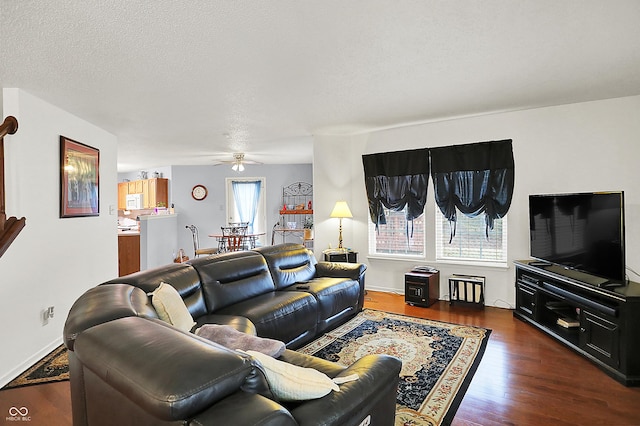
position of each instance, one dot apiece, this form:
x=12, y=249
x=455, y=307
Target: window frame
x=371, y=239
x=439, y=220
x=260, y=224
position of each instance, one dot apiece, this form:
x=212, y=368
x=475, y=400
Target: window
x=470, y=242
x=395, y=237
x=248, y=203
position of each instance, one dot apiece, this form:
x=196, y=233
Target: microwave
x=134, y=202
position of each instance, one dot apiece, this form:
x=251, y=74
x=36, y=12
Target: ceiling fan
x=238, y=162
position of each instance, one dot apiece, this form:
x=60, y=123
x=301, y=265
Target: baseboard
x=384, y=289
x=24, y=366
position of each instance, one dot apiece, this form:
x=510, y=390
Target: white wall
x=337, y=170
x=210, y=214
x=52, y=261
x=579, y=147
x=158, y=240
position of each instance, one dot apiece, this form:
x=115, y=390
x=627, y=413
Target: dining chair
x=234, y=237
x=239, y=224
x=196, y=244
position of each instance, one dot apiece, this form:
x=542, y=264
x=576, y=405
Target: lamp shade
x=341, y=209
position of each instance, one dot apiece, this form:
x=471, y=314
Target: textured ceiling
x=191, y=82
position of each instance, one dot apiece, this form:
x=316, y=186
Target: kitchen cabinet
x=123, y=191
x=155, y=192
x=135, y=187
x=128, y=253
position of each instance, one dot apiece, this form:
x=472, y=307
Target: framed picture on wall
x=79, y=179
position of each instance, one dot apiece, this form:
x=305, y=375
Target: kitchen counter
x=154, y=244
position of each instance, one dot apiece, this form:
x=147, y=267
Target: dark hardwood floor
x=525, y=378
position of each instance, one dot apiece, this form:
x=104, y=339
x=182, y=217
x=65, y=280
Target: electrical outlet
x=46, y=314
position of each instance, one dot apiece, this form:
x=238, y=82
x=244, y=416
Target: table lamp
x=341, y=210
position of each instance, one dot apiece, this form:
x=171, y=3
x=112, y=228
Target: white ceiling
x=190, y=82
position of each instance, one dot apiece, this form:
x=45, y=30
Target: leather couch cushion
x=355, y=271
x=289, y=263
x=238, y=322
x=289, y=316
x=233, y=277
x=181, y=276
x=372, y=396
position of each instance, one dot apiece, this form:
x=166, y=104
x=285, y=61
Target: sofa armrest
x=340, y=270
x=239, y=323
x=170, y=374
x=373, y=395
x=329, y=368
x=246, y=409
x=103, y=304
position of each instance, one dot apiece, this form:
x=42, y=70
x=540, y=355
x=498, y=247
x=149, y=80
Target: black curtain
x=395, y=180
x=474, y=178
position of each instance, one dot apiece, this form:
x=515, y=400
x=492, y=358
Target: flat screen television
x=582, y=232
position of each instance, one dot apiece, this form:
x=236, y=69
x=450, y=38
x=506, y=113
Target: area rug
x=438, y=359
x=52, y=368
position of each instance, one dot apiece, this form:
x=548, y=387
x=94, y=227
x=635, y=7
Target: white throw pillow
x=290, y=382
x=171, y=308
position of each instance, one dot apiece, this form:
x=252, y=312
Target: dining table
x=249, y=238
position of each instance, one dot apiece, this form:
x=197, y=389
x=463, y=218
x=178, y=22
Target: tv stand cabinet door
x=526, y=299
x=600, y=337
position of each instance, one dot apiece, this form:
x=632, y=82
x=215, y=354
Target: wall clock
x=199, y=192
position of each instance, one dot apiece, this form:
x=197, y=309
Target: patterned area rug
x=52, y=368
x=438, y=359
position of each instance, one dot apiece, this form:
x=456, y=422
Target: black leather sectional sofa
x=129, y=367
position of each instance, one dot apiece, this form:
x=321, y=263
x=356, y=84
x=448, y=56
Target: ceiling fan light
x=237, y=166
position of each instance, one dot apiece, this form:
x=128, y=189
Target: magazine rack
x=467, y=290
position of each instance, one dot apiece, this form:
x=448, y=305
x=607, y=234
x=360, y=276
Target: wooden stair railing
x=11, y=227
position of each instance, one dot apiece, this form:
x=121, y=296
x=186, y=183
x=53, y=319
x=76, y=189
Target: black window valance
x=474, y=178
x=395, y=180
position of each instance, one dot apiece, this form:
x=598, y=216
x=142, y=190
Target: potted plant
x=308, y=226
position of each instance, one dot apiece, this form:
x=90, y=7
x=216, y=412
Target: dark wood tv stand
x=601, y=324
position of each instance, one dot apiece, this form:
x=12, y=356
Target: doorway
x=246, y=202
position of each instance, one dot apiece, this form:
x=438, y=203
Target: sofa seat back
x=105, y=303
x=231, y=278
x=182, y=276
x=289, y=263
